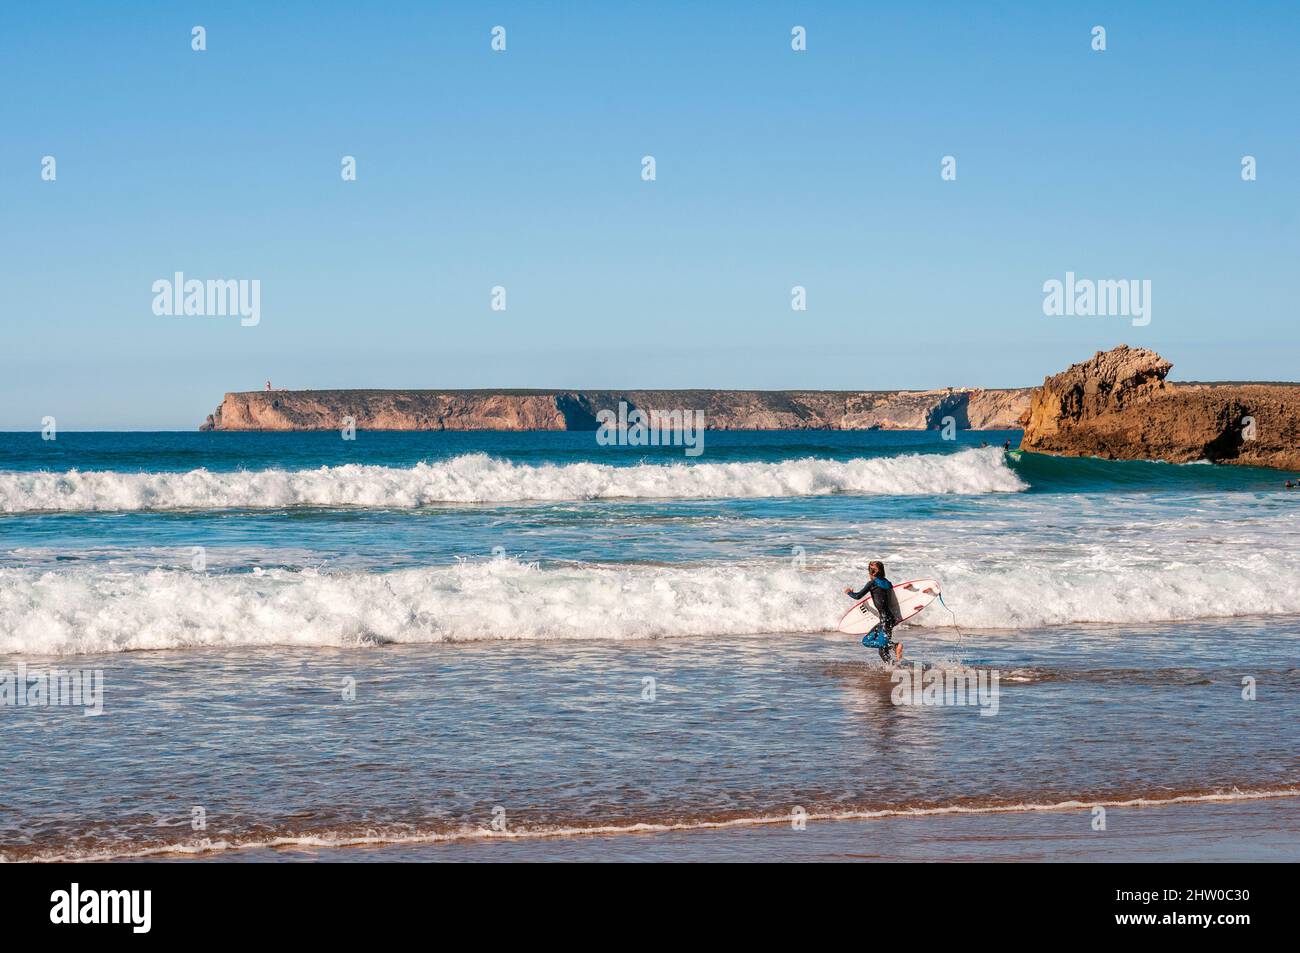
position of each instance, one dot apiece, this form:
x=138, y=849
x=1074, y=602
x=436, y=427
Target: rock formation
x=282, y=410
x=1118, y=405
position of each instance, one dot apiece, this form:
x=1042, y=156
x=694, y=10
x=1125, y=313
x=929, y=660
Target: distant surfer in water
x=882, y=597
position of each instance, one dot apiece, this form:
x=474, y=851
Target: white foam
x=370, y=837
x=479, y=478
x=93, y=610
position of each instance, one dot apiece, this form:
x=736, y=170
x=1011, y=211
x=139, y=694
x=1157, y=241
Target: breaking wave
x=74, y=612
x=479, y=478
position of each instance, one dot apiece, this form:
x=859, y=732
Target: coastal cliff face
x=283, y=410
x=1118, y=405
x=385, y=410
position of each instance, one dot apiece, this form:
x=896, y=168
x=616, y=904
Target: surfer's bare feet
x=898, y=651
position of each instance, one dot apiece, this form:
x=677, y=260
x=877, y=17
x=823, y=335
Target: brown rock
x=1118, y=405
x=282, y=410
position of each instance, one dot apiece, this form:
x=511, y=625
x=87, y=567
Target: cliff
x=281, y=410
x=1119, y=405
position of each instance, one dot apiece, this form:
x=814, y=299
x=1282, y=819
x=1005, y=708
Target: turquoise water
x=498, y=600
x=487, y=536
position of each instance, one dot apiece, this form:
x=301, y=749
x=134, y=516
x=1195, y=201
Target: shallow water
x=1120, y=606
x=1258, y=830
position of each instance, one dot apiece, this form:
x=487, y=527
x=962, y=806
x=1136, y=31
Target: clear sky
x=522, y=168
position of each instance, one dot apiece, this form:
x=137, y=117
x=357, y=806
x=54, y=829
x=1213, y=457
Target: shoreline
x=395, y=675
x=937, y=765
x=1218, y=828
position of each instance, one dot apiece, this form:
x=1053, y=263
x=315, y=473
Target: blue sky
x=522, y=169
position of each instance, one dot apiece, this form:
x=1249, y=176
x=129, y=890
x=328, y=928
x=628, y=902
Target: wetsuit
x=881, y=590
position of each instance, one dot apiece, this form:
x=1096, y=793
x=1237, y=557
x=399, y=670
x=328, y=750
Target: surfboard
x=911, y=597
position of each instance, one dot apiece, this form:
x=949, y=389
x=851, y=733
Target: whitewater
x=93, y=611
x=330, y=644
x=481, y=478
x=761, y=542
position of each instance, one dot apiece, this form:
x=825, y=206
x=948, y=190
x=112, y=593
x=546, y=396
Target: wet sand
x=1236, y=831
x=568, y=743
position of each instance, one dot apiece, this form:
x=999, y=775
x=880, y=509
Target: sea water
x=432, y=639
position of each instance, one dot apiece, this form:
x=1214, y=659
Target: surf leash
x=954, y=619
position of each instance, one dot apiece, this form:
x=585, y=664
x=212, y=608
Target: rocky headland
x=285, y=410
x=1118, y=405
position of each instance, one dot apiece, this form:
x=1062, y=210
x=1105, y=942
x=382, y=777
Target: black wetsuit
x=881, y=590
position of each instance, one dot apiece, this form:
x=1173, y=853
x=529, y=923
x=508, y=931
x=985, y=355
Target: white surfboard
x=912, y=597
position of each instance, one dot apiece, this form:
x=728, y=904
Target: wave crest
x=479, y=478
x=79, y=612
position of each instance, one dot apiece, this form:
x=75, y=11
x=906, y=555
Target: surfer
x=882, y=597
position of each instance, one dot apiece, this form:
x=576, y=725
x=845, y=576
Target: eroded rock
x=1118, y=405
x=282, y=410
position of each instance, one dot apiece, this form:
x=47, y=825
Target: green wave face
x=1053, y=474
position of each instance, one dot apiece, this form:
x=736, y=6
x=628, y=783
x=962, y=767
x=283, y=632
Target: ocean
x=531, y=646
